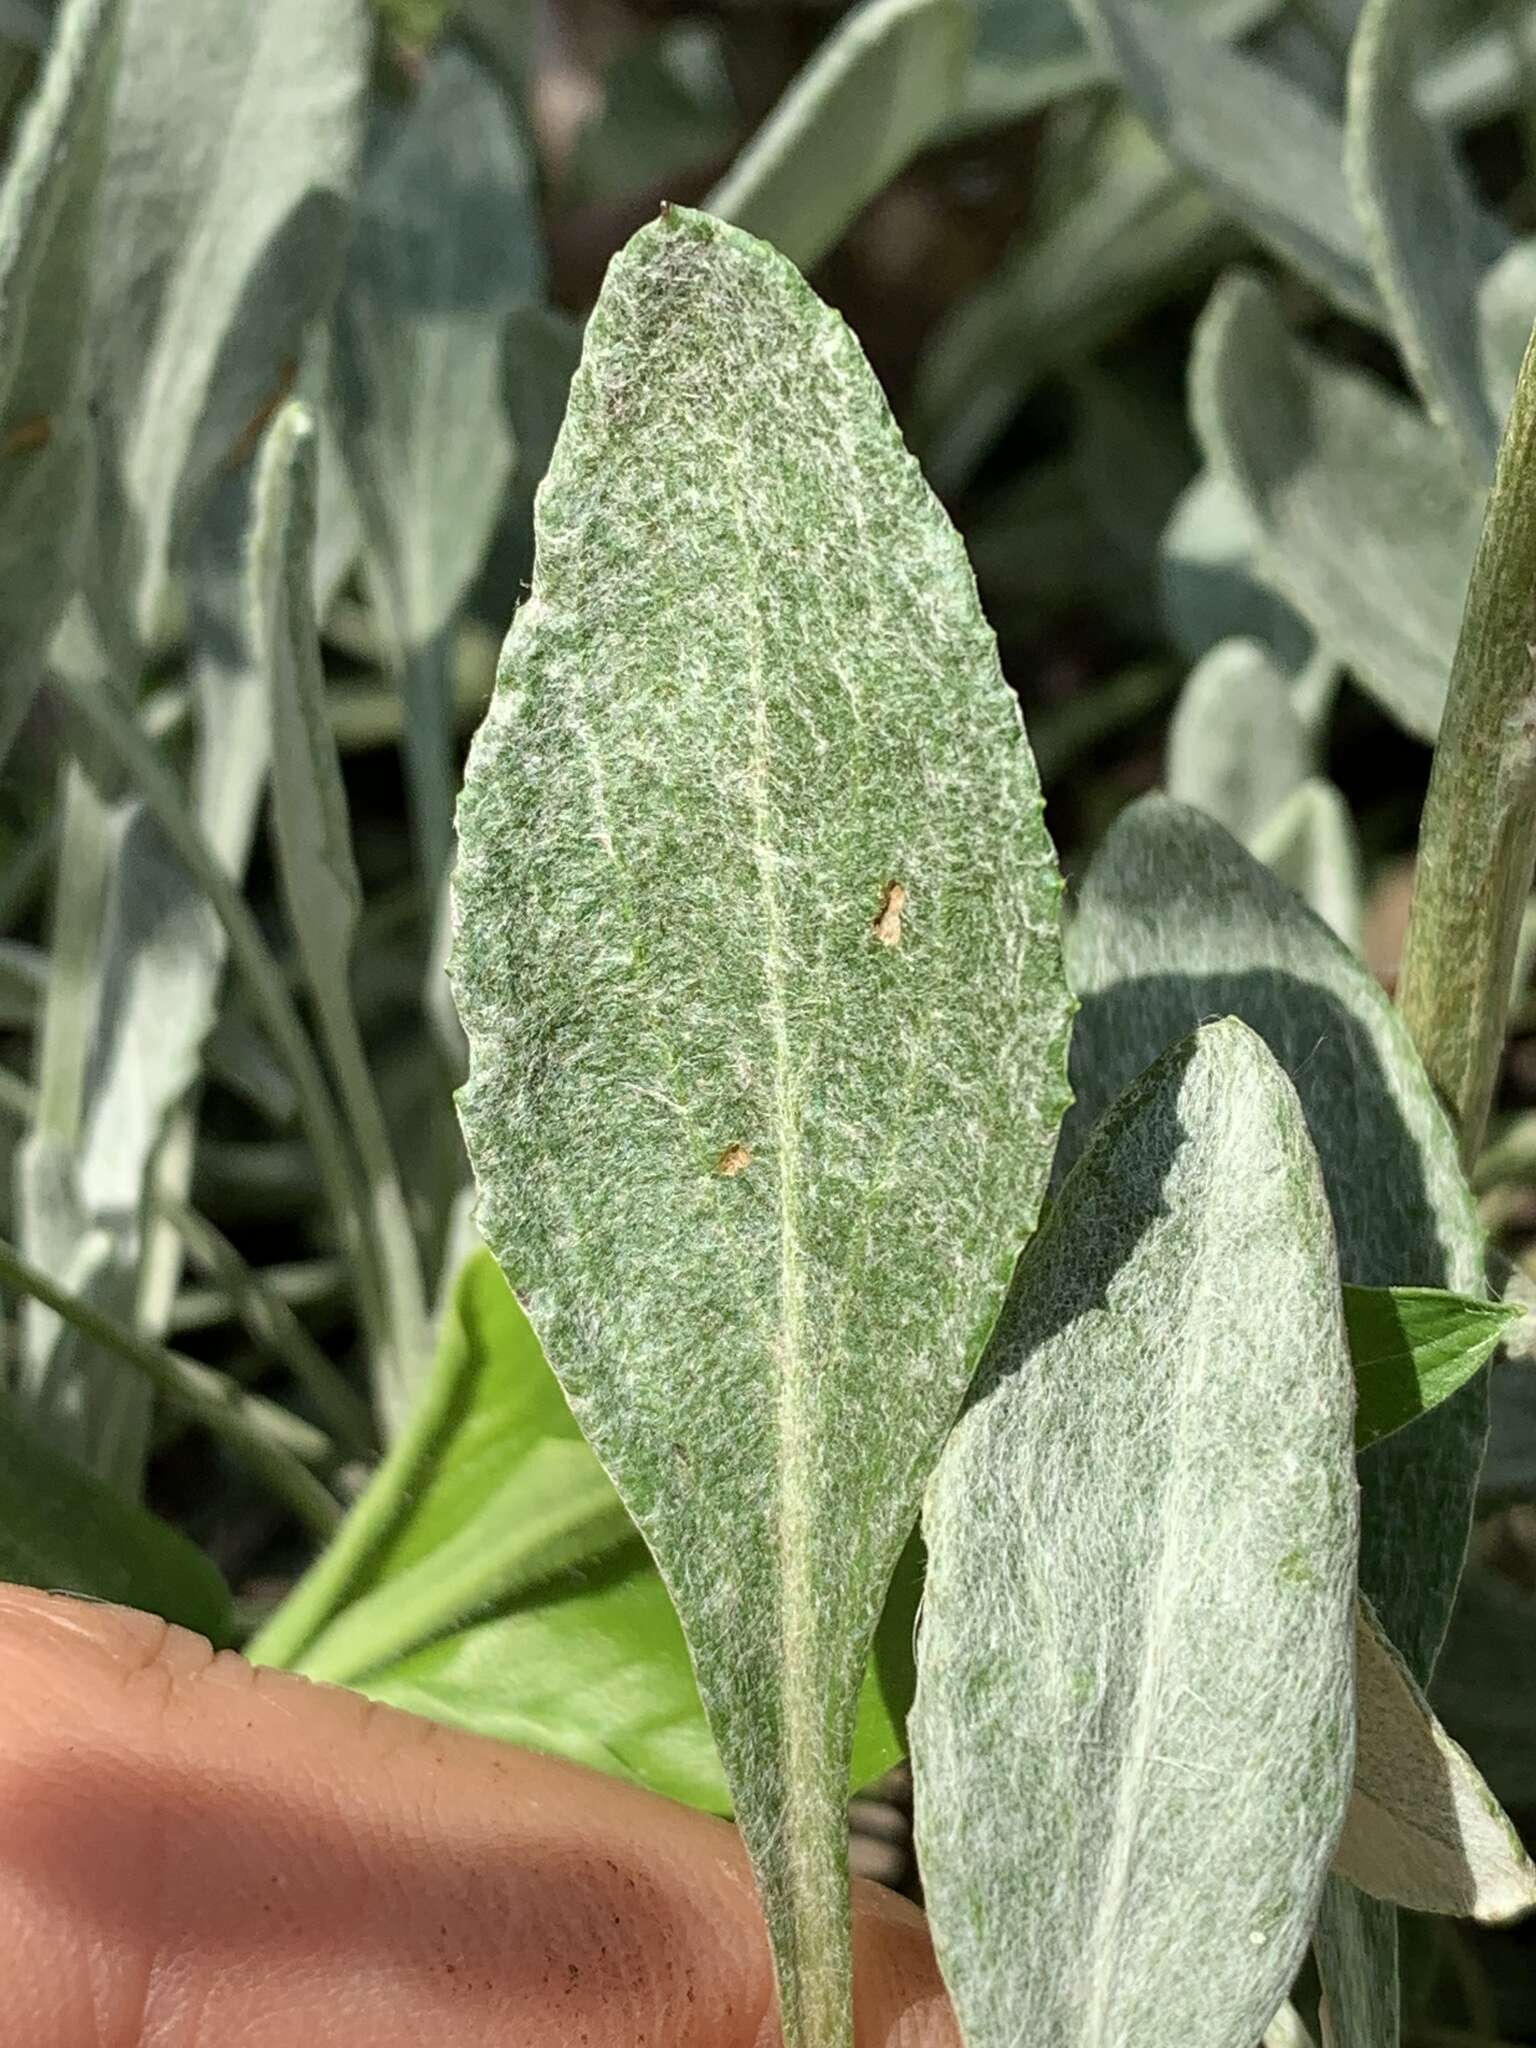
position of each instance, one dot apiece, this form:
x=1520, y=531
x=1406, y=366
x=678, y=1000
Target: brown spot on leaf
x=27, y=437
x=887, y=926
x=733, y=1160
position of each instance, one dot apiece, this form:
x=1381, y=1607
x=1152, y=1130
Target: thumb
x=194, y=1852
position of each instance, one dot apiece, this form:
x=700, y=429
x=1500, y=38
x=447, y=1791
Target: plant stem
x=273, y=1443
x=275, y=1328
x=1477, y=842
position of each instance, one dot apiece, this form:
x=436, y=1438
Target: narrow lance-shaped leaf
x=1431, y=244
x=319, y=874
x=446, y=246
x=757, y=958
x=888, y=75
x=1423, y=1830
x=1131, y=1737
x=47, y=205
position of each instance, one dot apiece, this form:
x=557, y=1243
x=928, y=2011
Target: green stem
x=275, y=1328
x=266, y=1436
x=1477, y=842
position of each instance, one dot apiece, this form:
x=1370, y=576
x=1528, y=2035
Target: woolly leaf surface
x=1131, y=1735
x=1177, y=923
x=757, y=958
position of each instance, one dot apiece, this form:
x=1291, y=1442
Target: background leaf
x=1270, y=153
x=1177, y=922
x=62, y=1529
x=1412, y=1348
x=1236, y=747
x=1423, y=1830
x=1431, y=242
x=47, y=214
x=886, y=77
x=1367, y=521
x=446, y=247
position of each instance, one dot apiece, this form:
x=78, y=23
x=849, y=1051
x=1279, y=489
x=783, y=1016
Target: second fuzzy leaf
x=758, y=960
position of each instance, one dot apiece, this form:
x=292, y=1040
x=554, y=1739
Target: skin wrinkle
x=337, y=1870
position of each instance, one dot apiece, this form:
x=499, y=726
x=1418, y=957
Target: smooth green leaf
x=1311, y=844
x=446, y=246
x=47, y=210
x=1131, y=1736
x=319, y=875
x=230, y=166
x=1367, y=521
x=1431, y=244
x=62, y=1529
x=888, y=75
x=1412, y=1348
x=1236, y=748
x=490, y=1577
x=758, y=963
x=1423, y=1830
x=1177, y=922
x=1270, y=155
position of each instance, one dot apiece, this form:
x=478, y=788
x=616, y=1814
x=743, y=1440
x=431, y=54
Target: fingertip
x=193, y=1852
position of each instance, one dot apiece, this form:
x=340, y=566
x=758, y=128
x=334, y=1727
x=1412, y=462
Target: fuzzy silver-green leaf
x=1131, y=1736
x=757, y=958
x=1431, y=244
x=1367, y=520
x=1178, y=923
